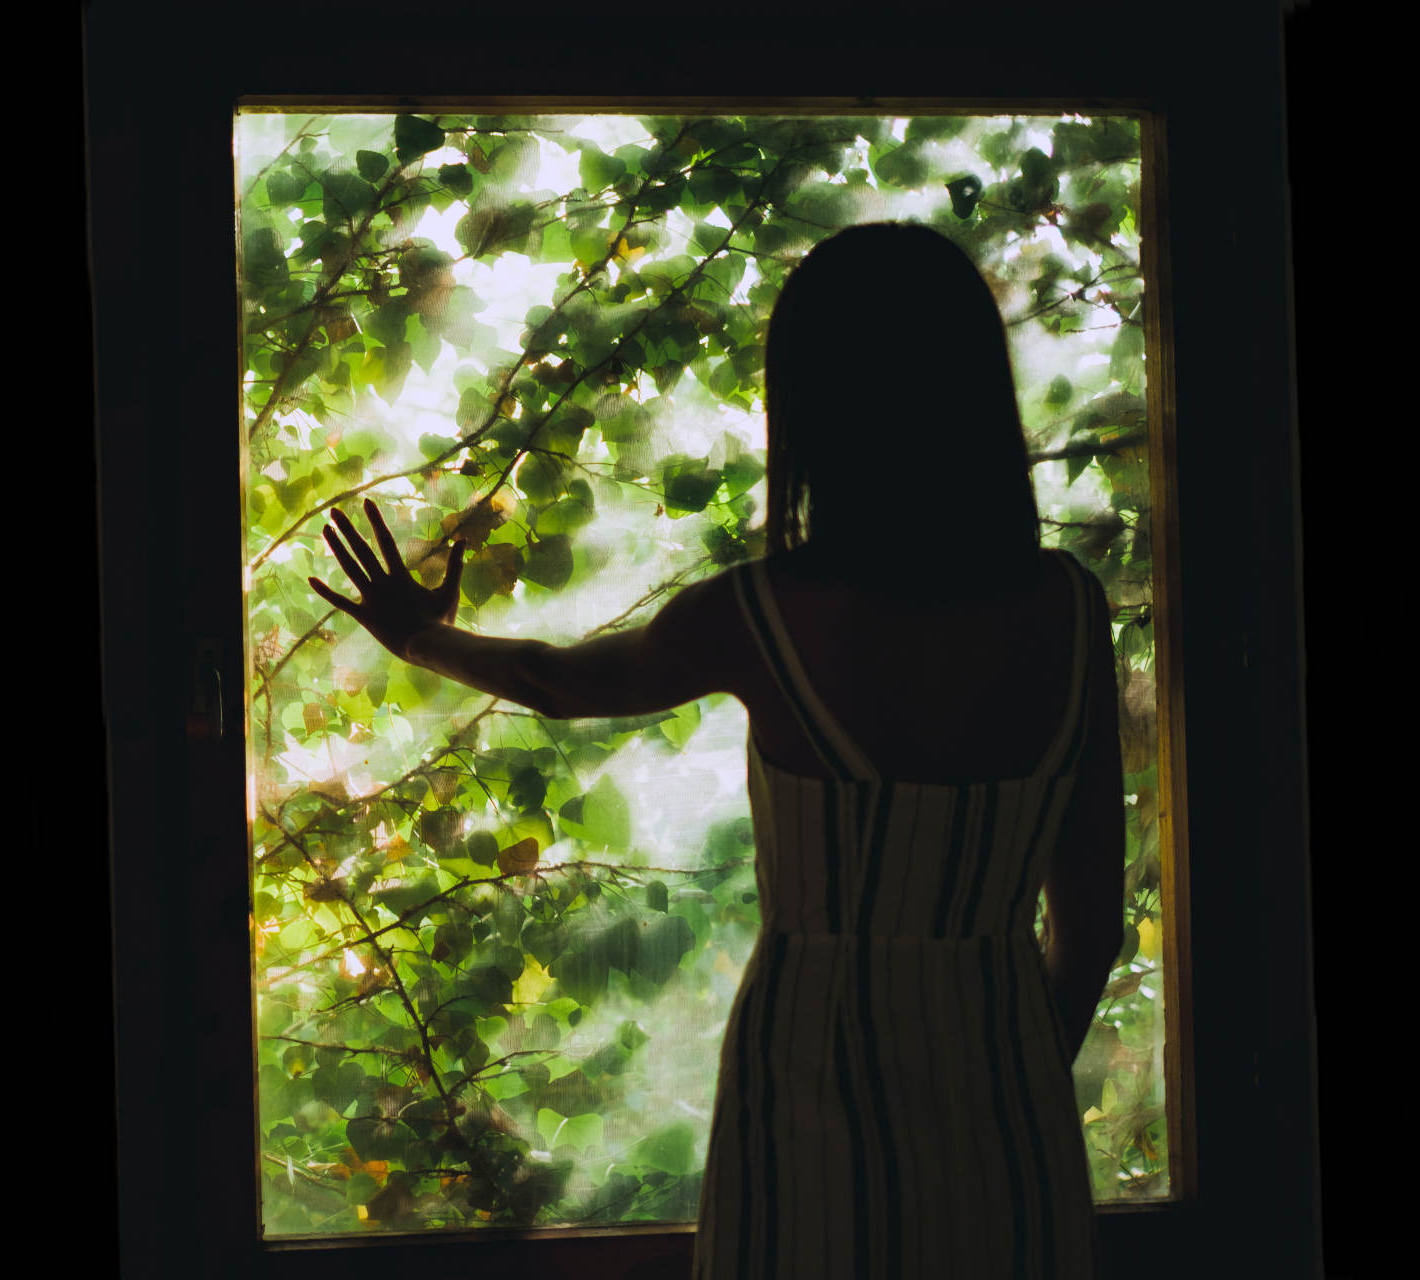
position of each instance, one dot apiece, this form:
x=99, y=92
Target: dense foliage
x=493, y=954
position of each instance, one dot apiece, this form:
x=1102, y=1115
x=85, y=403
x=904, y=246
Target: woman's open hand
x=393, y=606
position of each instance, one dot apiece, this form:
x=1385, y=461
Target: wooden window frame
x=1227, y=655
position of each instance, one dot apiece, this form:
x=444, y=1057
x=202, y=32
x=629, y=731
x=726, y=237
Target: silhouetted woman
x=933, y=737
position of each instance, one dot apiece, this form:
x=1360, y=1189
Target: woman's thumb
x=455, y=569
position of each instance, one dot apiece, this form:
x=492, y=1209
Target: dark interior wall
x=161, y=80
x=1318, y=76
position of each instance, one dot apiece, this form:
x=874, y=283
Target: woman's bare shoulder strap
x=833, y=746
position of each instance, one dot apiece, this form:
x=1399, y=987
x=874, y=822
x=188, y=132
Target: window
x=493, y=955
x=158, y=110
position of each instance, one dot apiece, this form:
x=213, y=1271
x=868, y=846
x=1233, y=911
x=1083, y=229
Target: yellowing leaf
x=1150, y=940
x=397, y=849
x=535, y=980
x=324, y=890
x=351, y=1163
x=474, y=523
x=625, y=253
x=508, y=406
x=501, y=563
x=1093, y=1114
x=519, y=859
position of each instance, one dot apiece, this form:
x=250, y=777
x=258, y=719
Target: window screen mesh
x=545, y=335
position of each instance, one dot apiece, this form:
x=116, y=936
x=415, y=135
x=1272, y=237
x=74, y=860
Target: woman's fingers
x=335, y=598
x=347, y=562
x=453, y=574
x=358, y=545
x=385, y=538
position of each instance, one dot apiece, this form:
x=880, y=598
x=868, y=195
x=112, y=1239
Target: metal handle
x=204, y=717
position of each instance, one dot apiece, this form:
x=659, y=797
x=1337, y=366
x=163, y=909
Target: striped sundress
x=894, y=1098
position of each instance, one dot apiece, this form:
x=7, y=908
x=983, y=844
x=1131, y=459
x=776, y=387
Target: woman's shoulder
x=702, y=622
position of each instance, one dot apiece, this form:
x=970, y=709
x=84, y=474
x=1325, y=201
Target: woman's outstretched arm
x=673, y=660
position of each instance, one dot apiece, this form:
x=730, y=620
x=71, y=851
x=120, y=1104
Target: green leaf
x=414, y=137
x=671, y=1150
x=630, y=1035
x=606, y=816
x=742, y=473
x=456, y=178
x=548, y=561
x=263, y=261
x=729, y=841
x=347, y=134
x=361, y=1188
x=1105, y=140
x=486, y=986
x=598, y=170
x=927, y=127
x=509, y=918
x=274, y=1017
x=661, y=945
x=404, y=895
x=581, y=973
x=1037, y=185
x=714, y=185
x=679, y=728
x=527, y=786
x=591, y=245
x=423, y=344
x=903, y=166
x=371, y=165
x=387, y=322
x=388, y=368
x=432, y=446
x=540, y=477
x=567, y=515
x=346, y=196
x=285, y=187
x=493, y=229
x=657, y=896
x=997, y=148
x=1126, y=356
x=1059, y=391
x=549, y=1124
x=377, y=1138
x=581, y=1132
x=688, y=484
x=452, y=941
x=544, y=941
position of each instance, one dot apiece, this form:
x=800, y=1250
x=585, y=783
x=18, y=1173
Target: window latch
x=204, y=714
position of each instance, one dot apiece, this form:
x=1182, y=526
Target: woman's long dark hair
x=894, y=436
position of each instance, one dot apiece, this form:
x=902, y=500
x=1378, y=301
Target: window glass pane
x=545, y=335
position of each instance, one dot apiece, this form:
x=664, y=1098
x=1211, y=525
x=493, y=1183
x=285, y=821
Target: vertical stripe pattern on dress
x=894, y=1098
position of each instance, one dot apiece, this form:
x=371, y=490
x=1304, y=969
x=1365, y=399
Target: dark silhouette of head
x=895, y=442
